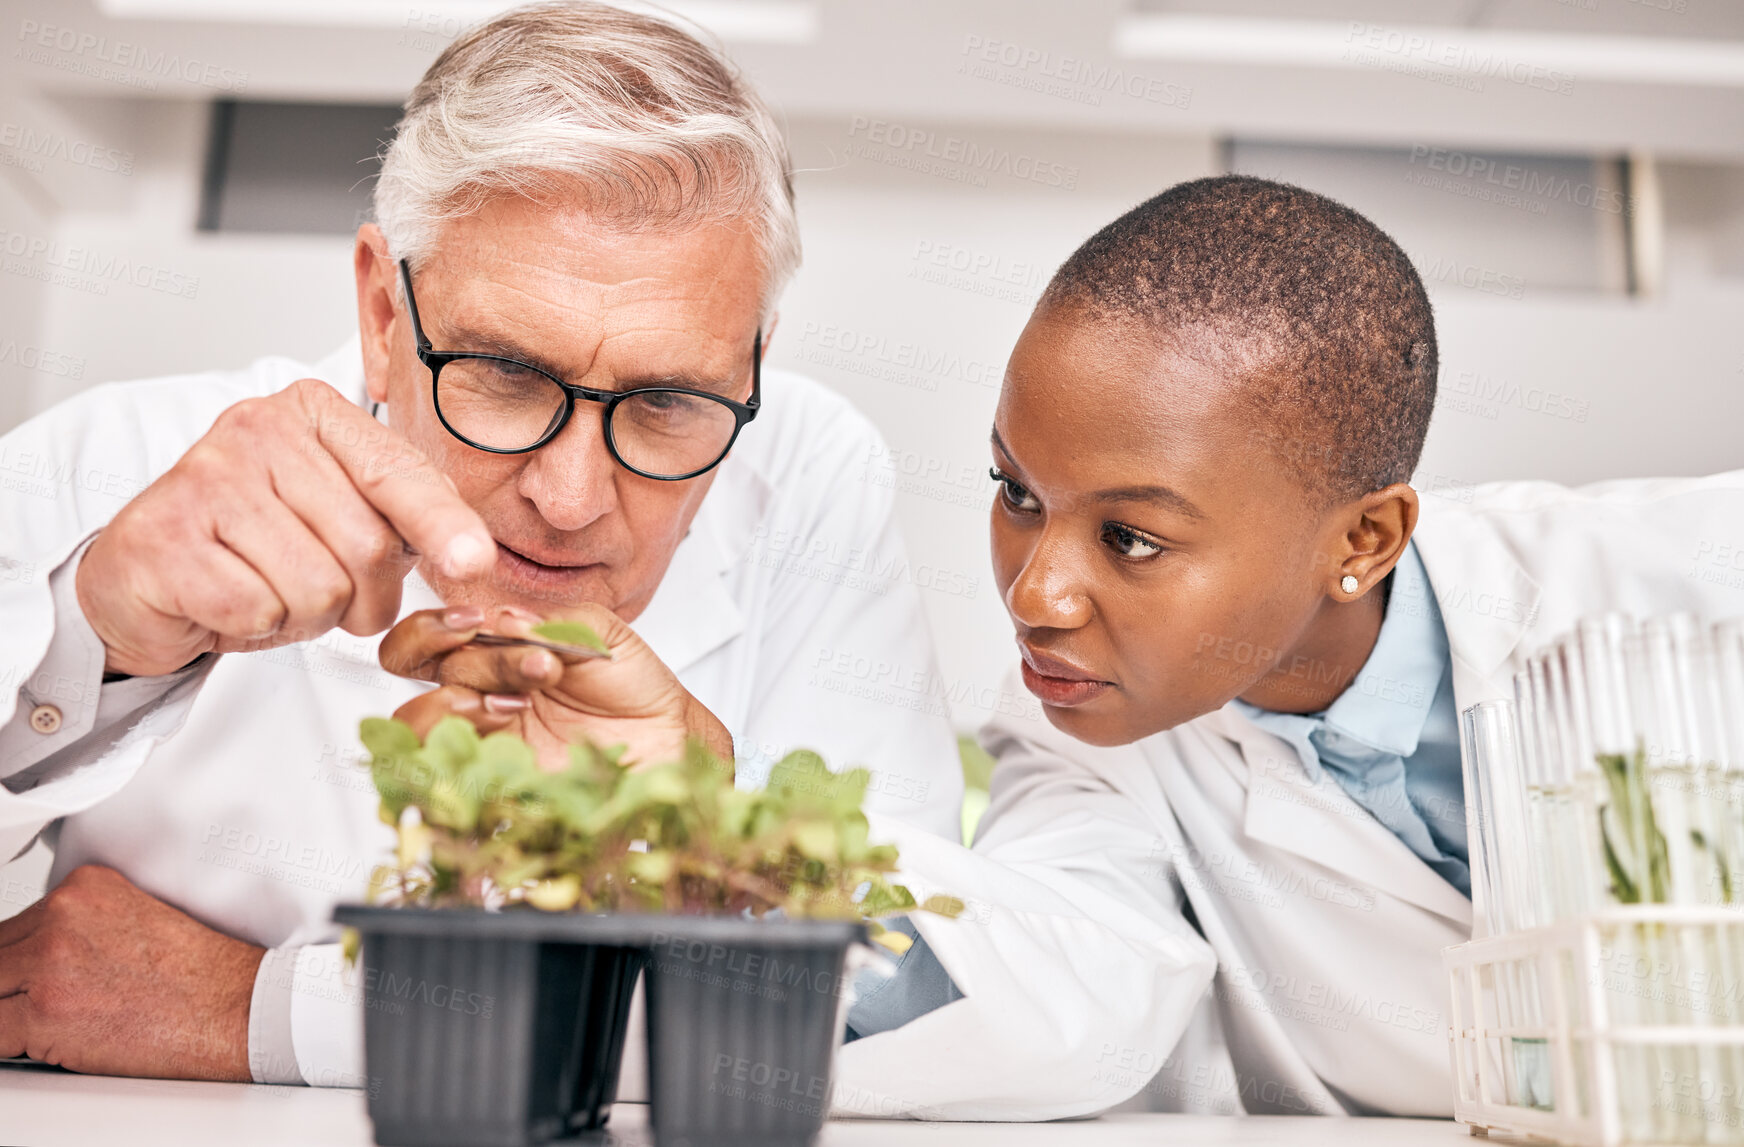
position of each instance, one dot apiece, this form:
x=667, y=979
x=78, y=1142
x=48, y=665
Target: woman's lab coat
x=1329, y=993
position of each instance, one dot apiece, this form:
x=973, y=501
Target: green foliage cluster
x=1636, y=856
x=480, y=824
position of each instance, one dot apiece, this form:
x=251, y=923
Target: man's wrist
x=242, y=967
x=708, y=728
x=110, y=676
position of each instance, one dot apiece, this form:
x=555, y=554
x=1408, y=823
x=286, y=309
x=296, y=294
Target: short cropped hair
x=653, y=126
x=1320, y=314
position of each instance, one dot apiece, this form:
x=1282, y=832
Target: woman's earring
x=1348, y=584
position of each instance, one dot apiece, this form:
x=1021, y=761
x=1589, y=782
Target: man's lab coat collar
x=1487, y=603
x=692, y=614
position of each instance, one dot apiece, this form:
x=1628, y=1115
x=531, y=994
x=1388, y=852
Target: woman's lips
x=1059, y=683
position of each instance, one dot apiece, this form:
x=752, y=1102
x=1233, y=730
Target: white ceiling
x=917, y=61
x=1696, y=19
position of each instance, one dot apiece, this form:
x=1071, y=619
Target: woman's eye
x=1128, y=542
x=1015, y=495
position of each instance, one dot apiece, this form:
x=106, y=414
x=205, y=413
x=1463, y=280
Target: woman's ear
x=1377, y=528
x=377, y=289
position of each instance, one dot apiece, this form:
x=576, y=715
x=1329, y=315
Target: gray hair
x=652, y=126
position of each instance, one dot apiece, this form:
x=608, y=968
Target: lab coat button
x=45, y=719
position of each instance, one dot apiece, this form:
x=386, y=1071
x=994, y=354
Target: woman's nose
x=1048, y=592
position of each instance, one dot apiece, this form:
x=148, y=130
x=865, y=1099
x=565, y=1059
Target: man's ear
x=1375, y=531
x=378, y=289
x=769, y=333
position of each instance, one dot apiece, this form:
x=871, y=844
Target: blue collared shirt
x=1391, y=740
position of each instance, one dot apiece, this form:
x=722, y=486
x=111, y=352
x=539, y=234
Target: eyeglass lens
x=503, y=405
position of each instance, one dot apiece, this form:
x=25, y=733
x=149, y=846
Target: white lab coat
x=789, y=609
x=1329, y=995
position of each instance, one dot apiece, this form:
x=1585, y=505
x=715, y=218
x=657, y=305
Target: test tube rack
x=1547, y=1038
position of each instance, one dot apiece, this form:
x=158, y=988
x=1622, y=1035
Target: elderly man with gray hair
x=555, y=406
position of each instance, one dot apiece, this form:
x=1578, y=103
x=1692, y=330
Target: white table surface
x=46, y=1108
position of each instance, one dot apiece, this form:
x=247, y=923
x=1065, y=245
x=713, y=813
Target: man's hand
x=632, y=700
x=295, y=513
x=100, y=977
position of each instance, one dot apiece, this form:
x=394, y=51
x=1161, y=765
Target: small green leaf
x=816, y=841
x=386, y=737
x=666, y=784
x=940, y=905
x=452, y=744
x=653, y=867
x=557, y=895
x=884, y=899
x=571, y=633
x=853, y=833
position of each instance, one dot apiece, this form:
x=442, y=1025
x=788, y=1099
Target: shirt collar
x=1386, y=705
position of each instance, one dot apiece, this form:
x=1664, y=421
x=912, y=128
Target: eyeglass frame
x=435, y=360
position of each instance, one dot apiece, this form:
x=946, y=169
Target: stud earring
x=1348, y=584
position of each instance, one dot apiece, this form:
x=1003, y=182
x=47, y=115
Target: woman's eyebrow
x=1162, y=495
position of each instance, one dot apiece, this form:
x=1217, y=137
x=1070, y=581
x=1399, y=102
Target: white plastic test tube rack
x=1601, y=1002
x=1582, y=967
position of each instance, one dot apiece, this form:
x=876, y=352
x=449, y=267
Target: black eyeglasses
x=505, y=406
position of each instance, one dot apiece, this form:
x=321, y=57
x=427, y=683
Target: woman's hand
x=550, y=701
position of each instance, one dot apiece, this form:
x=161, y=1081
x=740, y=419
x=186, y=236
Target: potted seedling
x=501, y=948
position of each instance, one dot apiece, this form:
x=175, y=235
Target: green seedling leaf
x=571, y=633
x=940, y=905
x=733, y=813
x=479, y=821
x=652, y=867
x=851, y=837
x=897, y=942
x=815, y=841
x=452, y=744
x=884, y=899
x=557, y=895
x=665, y=784
x=386, y=737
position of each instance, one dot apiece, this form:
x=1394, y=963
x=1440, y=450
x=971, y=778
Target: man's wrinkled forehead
x=544, y=287
x=600, y=261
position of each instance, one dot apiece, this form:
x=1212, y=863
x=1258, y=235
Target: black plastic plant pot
x=494, y=1029
x=744, y=1019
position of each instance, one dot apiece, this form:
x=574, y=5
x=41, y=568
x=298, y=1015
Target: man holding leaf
x=556, y=410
